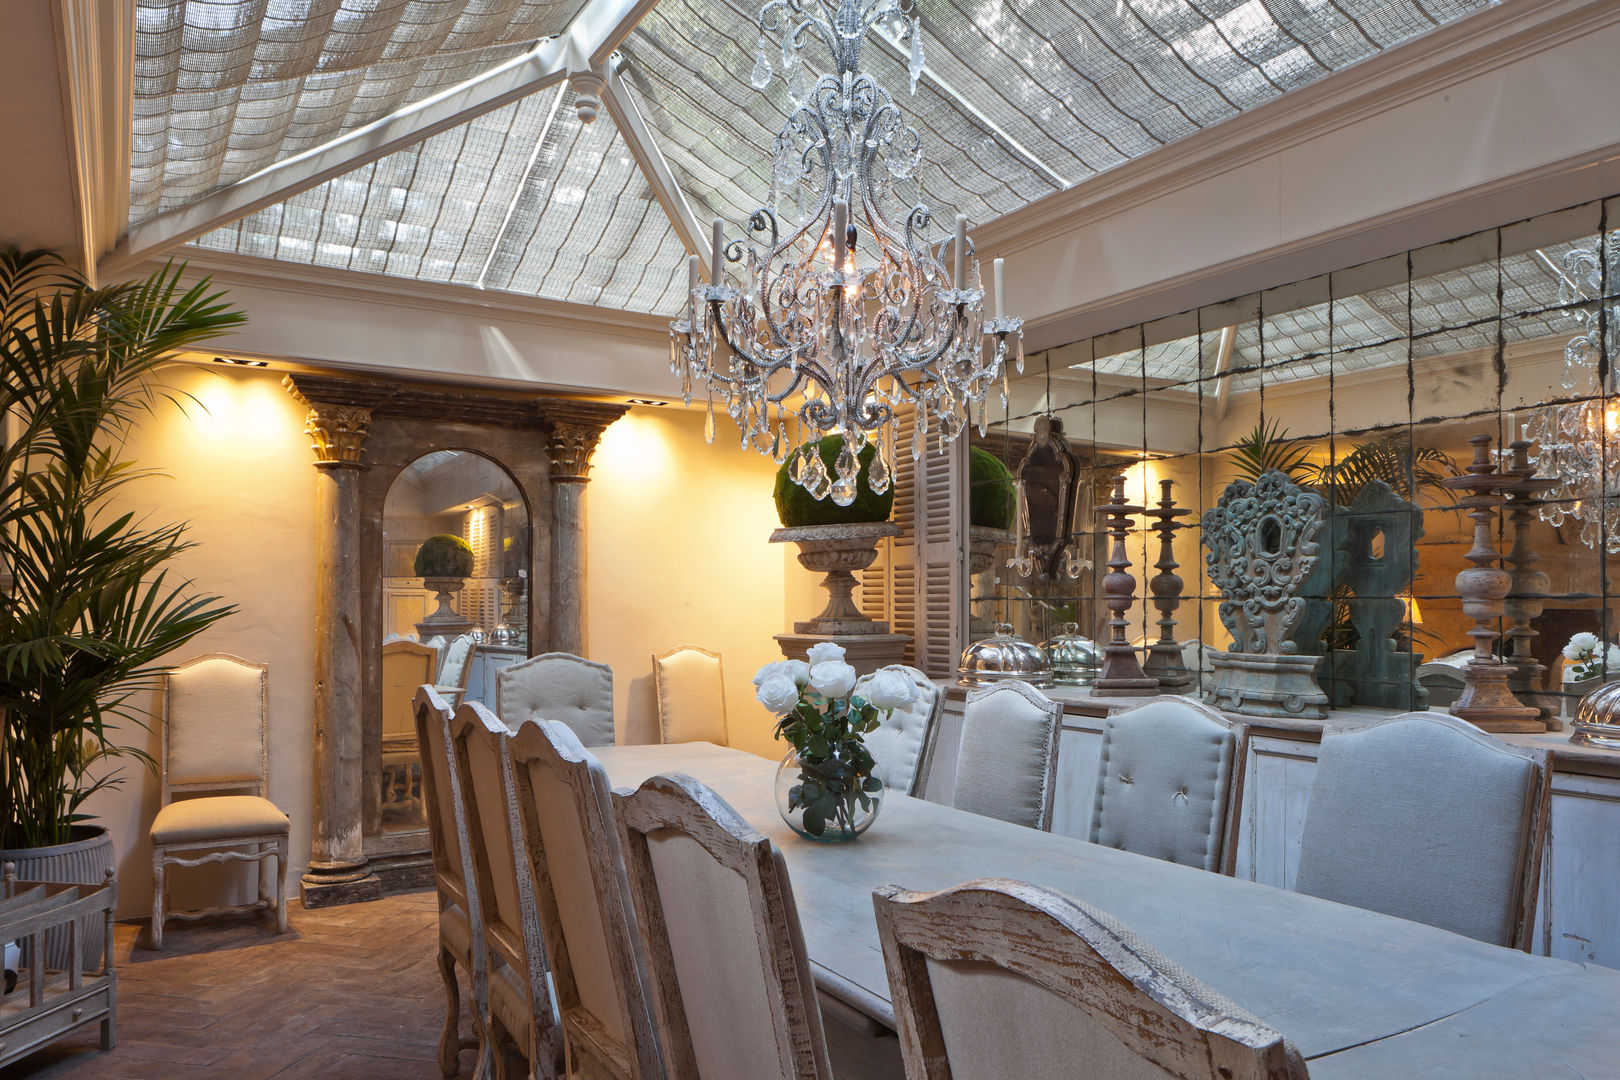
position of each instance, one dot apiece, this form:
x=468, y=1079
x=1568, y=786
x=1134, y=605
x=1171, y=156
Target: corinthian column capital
x=337, y=433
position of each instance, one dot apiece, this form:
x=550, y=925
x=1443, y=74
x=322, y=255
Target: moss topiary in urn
x=836, y=540
x=444, y=562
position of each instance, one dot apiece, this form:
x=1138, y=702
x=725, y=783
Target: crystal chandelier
x=842, y=317
x=1577, y=444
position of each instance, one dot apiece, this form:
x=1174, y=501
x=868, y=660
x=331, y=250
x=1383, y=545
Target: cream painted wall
x=678, y=554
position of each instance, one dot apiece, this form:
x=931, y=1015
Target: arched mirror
x=455, y=602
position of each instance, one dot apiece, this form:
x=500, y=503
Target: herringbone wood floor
x=348, y=993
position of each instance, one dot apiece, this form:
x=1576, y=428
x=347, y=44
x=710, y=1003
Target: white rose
x=1580, y=646
x=797, y=670
x=1612, y=659
x=832, y=678
x=888, y=689
x=779, y=694
x=823, y=652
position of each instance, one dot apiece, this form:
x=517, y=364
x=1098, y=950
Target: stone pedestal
x=982, y=544
x=1267, y=685
x=839, y=551
x=446, y=621
x=863, y=652
x=1528, y=594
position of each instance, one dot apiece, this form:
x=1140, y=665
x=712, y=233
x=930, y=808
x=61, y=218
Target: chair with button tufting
x=562, y=687
x=1168, y=782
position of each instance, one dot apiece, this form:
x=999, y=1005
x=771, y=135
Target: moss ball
x=993, y=499
x=444, y=556
x=797, y=507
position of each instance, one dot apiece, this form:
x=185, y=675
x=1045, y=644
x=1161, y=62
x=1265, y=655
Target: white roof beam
x=638, y=137
x=599, y=28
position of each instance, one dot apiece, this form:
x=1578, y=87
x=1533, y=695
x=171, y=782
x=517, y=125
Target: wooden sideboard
x=1576, y=919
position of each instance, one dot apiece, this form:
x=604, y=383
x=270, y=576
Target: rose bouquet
x=833, y=785
x=1589, y=656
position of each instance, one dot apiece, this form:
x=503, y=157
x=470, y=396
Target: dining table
x=1360, y=994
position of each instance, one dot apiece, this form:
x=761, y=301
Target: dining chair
x=1006, y=764
x=461, y=926
x=558, y=686
x=570, y=841
x=452, y=678
x=727, y=967
x=521, y=1014
x=898, y=743
x=215, y=712
x=406, y=665
x=1425, y=817
x=995, y=978
x=691, y=696
x=1169, y=778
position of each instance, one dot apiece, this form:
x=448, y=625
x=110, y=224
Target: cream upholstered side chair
x=995, y=979
x=726, y=962
x=461, y=924
x=1425, y=817
x=452, y=675
x=1168, y=783
x=215, y=712
x=521, y=1015
x=559, y=686
x=1006, y=764
x=406, y=665
x=897, y=745
x=691, y=696
x=576, y=872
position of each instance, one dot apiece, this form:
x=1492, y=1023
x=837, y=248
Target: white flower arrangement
x=1590, y=656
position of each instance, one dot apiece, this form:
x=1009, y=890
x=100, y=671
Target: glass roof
x=1019, y=99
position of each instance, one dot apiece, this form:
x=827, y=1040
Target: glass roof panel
x=224, y=88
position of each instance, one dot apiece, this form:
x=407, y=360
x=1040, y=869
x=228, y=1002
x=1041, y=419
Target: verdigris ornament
x=1377, y=558
x=1262, y=541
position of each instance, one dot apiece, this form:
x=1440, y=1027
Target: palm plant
x=1392, y=459
x=90, y=610
x=1269, y=447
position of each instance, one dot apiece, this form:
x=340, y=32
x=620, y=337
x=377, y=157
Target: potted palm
x=88, y=605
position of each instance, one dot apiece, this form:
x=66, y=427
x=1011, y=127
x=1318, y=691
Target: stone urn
x=982, y=543
x=838, y=551
x=445, y=622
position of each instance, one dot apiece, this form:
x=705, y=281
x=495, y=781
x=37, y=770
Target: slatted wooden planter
x=48, y=1004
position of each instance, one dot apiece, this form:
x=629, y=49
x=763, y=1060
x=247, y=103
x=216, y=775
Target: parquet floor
x=348, y=993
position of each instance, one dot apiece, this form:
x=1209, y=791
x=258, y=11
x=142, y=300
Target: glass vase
x=831, y=818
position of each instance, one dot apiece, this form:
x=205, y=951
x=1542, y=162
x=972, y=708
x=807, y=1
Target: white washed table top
x=1326, y=975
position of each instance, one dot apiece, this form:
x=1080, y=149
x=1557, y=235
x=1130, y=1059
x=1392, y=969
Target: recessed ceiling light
x=235, y=362
x=645, y=401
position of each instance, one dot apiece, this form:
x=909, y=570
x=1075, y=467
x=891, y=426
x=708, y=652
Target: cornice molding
x=443, y=401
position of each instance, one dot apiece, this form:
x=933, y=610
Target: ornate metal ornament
x=1375, y=555
x=1262, y=541
x=1047, y=539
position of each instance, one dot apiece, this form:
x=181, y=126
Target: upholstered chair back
x=1006, y=764
x=996, y=979
x=562, y=687
x=406, y=665
x=691, y=696
x=453, y=664
x=576, y=871
x=1427, y=818
x=898, y=744
x=727, y=964
x=1165, y=782
x=214, y=719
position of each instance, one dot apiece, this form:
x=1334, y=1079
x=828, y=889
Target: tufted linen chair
x=558, y=686
x=452, y=680
x=898, y=744
x=1006, y=765
x=215, y=710
x=1425, y=817
x=691, y=696
x=727, y=965
x=996, y=979
x=1168, y=781
x=576, y=872
x=521, y=1015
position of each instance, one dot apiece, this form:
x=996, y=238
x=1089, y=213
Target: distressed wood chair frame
x=591, y=1050
x=1158, y=1012
x=248, y=847
x=658, y=688
x=456, y=886
x=1054, y=711
x=1227, y=863
x=518, y=947
x=59, y=1003
x=683, y=805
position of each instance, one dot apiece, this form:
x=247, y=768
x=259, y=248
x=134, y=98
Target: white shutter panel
x=902, y=568
x=941, y=583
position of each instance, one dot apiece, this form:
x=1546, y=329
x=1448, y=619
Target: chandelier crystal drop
x=843, y=318
x=1579, y=444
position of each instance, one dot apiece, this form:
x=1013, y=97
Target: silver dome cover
x=1001, y=656
x=1076, y=659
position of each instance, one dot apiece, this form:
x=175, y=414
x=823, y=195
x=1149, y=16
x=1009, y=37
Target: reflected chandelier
x=845, y=318
x=1579, y=444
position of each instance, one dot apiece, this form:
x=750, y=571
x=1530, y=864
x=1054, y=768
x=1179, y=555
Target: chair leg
x=450, y=1038
x=157, y=899
x=281, y=884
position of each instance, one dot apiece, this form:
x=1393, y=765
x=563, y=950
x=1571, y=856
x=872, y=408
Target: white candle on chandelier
x=717, y=256
x=1001, y=288
x=961, y=251
x=840, y=233
x=691, y=291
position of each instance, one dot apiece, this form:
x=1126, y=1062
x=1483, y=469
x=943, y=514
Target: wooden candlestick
x=1487, y=701
x=1164, y=660
x=1122, y=674
x=1528, y=593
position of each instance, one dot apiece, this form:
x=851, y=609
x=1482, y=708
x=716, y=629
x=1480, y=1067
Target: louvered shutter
x=925, y=572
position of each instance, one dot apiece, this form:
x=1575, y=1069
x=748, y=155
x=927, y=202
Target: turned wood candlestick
x=1164, y=660
x=1122, y=674
x=1487, y=701
x=1528, y=593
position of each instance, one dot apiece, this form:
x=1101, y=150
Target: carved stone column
x=338, y=871
x=570, y=440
